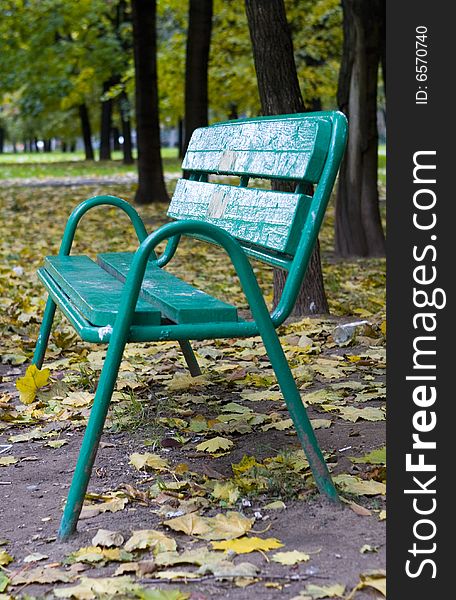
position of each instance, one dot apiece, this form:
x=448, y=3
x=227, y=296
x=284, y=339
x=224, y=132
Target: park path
x=37, y=182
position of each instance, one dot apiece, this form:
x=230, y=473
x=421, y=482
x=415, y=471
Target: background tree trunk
x=127, y=147
x=106, y=124
x=196, y=66
x=2, y=140
x=279, y=92
x=358, y=225
x=86, y=132
x=151, y=186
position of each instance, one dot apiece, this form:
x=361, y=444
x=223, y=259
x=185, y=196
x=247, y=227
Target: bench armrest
x=81, y=209
x=211, y=232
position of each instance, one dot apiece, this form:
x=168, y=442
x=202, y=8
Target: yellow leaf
x=5, y=558
x=245, y=545
x=370, y=413
x=154, y=461
x=92, y=510
x=106, y=587
x=33, y=380
x=290, y=558
x=373, y=579
x=150, y=538
x=176, y=575
x=360, y=487
x=215, y=444
x=335, y=590
x=276, y=505
x=5, y=461
x=228, y=492
x=220, y=527
x=383, y=327
x=320, y=423
x=382, y=515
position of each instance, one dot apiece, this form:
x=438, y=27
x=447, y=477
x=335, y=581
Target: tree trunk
x=358, y=225
x=115, y=133
x=124, y=109
x=2, y=140
x=279, y=92
x=86, y=132
x=180, y=138
x=151, y=186
x=196, y=66
x=106, y=125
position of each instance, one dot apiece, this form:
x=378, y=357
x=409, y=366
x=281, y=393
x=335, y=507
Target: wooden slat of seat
x=94, y=292
x=261, y=217
x=288, y=148
x=175, y=298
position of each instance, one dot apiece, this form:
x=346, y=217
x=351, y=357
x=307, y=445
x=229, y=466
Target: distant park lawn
x=72, y=164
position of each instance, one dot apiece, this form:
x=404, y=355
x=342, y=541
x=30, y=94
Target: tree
x=151, y=186
x=196, y=67
x=358, y=225
x=279, y=91
x=86, y=132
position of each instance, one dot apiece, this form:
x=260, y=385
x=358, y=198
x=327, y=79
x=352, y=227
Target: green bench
x=129, y=297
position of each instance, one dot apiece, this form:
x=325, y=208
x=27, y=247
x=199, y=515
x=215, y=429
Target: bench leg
x=91, y=439
x=296, y=409
x=45, y=331
x=190, y=358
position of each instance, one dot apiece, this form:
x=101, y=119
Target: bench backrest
x=279, y=228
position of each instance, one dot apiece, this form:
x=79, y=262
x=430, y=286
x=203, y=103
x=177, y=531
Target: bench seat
x=176, y=299
x=95, y=291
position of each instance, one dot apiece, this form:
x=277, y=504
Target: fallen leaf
x=4, y=582
x=176, y=575
x=140, y=568
x=44, y=574
x=376, y=457
x=360, y=487
x=349, y=413
x=214, y=444
x=276, y=505
x=368, y=548
x=5, y=558
x=107, y=539
x=56, y=443
x=290, y=558
x=6, y=461
x=31, y=382
x=94, y=554
x=89, y=588
x=382, y=515
x=316, y=592
x=227, y=569
x=157, y=594
x=92, y=510
x=150, y=538
x=220, y=527
x=321, y=423
x=153, y=461
x=248, y=544
x=228, y=492
x=373, y=579
x=35, y=557
x=359, y=510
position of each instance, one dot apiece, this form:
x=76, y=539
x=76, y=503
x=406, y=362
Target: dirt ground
x=32, y=494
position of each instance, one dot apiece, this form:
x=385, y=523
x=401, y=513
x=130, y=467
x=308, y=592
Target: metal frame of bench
x=264, y=324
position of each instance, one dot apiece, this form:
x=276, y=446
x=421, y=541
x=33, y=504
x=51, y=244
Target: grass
x=72, y=164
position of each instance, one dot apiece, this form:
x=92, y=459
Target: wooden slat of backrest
x=283, y=148
x=265, y=218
